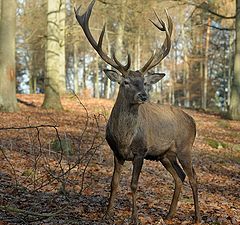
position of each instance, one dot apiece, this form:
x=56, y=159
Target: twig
x=27, y=127
x=29, y=213
x=11, y=165
x=89, y=160
x=31, y=104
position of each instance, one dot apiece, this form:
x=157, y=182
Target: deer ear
x=113, y=75
x=153, y=78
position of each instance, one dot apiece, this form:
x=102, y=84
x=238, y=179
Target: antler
x=157, y=57
x=83, y=22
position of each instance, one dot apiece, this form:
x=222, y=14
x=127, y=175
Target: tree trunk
x=52, y=95
x=84, y=85
x=75, y=66
x=234, y=109
x=119, y=40
x=137, y=51
x=33, y=73
x=205, y=77
x=96, y=79
x=230, y=70
x=186, y=88
x=107, y=81
x=62, y=63
x=8, y=101
x=186, y=82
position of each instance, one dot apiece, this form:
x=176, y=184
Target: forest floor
x=55, y=168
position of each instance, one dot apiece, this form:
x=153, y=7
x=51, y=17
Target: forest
x=58, y=91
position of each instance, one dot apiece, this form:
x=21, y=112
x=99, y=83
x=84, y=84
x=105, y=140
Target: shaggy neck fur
x=123, y=123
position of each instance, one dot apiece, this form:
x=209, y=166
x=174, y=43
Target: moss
x=216, y=144
x=236, y=148
x=64, y=146
x=28, y=172
x=224, y=124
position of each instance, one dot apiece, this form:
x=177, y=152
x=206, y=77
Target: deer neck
x=123, y=122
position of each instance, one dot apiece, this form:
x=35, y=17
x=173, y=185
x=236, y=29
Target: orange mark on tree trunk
x=11, y=73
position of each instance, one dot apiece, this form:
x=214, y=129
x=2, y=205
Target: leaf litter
x=42, y=185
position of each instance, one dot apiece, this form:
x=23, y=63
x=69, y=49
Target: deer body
x=138, y=129
x=148, y=130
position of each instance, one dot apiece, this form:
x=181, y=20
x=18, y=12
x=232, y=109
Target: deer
x=138, y=129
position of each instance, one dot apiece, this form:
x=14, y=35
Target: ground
x=56, y=169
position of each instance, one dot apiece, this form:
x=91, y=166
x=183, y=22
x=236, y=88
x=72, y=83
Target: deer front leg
x=137, y=166
x=114, y=185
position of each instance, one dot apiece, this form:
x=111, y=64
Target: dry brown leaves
x=28, y=160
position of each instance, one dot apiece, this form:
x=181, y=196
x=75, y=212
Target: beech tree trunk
x=76, y=75
x=62, y=64
x=52, y=94
x=205, y=77
x=96, y=79
x=234, y=109
x=107, y=82
x=119, y=40
x=8, y=101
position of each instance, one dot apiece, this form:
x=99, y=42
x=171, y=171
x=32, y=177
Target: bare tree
x=53, y=51
x=62, y=30
x=8, y=101
x=234, y=110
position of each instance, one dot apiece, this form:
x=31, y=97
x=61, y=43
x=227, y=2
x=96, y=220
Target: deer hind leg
x=186, y=162
x=114, y=185
x=172, y=166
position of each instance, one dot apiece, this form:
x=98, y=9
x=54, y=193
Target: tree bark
x=52, y=95
x=137, y=51
x=107, y=82
x=234, y=109
x=62, y=64
x=205, y=77
x=119, y=40
x=96, y=79
x=8, y=101
x=75, y=66
x=84, y=84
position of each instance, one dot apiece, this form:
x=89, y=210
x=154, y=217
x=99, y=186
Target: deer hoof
x=169, y=216
x=197, y=222
x=135, y=220
x=108, y=216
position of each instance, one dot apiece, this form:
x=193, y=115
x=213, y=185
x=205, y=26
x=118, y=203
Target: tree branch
x=205, y=6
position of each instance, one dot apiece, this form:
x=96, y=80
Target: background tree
x=53, y=54
x=234, y=110
x=199, y=69
x=8, y=100
x=31, y=41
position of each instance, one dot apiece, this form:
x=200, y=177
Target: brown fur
x=156, y=132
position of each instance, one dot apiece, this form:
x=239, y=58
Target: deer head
x=134, y=85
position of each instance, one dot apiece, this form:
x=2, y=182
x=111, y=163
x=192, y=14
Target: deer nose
x=142, y=96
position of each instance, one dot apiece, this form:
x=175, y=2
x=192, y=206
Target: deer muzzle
x=141, y=97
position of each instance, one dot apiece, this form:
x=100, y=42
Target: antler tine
x=170, y=23
x=83, y=21
x=127, y=66
x=145, y=67
x=157, y=57
x=167, y=43
x=100, y=40
x=160, y=21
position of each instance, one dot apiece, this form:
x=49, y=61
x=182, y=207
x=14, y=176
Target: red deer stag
x=138, y=129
